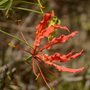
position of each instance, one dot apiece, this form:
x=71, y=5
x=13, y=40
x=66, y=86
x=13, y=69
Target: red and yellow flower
x=42, y=31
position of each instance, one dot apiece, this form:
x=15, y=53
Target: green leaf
x=6, y=5
x=3, y=2
x=3, y=6
x=26, y=2
x=9, y=6
x=26, y=9
x=28, y=58
x=40, y=5
x=15, y=37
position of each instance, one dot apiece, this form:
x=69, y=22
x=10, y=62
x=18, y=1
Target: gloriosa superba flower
x=46, y=28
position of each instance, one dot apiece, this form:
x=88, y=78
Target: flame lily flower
x=42, y=31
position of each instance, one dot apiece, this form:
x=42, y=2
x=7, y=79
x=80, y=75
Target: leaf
x=40, y=5
x=13, y=36
x=6, y=5
x=3, y=2
x=28, y=58
x=9, y=6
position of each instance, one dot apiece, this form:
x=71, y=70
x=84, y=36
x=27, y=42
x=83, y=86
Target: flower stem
x=40, y=5
x=29, y=2
x=26, y=9
x=15, y=37
x=43, y=76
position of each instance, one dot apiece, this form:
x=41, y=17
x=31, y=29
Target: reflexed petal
x=61, y=39
x=77, y=55
x=44, y=22
x=64, y=69
x=47, y=32
x=57, y=57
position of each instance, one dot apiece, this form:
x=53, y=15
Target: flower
x=42, y=31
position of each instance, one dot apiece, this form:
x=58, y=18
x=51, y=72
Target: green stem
x=40, y=5
x=25, y=9
x=29, y=2
x=15, y=37
x=43, y=76
x=9, y=6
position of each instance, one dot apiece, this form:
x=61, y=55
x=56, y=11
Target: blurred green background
x=16, y=16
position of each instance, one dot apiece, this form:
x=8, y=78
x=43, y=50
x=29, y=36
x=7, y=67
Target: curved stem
x=40, y=5
x=25, y=9
x=43, y=76
x=33, y=67
x=15, y=37
x=28, y=2
x=25, y=40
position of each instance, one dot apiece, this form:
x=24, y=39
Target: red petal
x=70, y=53
x=77, y=55
x=64, y=69
x=41, y=26
x=61, y=39
x=46, y=32
x=49, y=31
x=57, y=57
x=44, y=22
x=62, y=27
